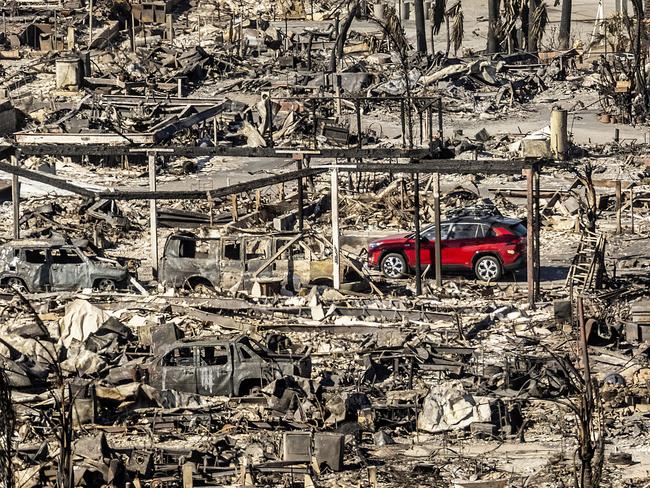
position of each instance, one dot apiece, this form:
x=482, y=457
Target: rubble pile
x=309, y=244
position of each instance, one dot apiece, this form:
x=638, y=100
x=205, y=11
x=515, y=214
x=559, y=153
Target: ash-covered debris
x=324, y=244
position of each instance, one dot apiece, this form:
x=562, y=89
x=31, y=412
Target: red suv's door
x=428, y=246
x=464, y=241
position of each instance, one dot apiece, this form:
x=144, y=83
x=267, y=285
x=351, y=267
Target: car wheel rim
x=106, y=285
x=488, y=269
x=16, y=285
x=393, y=266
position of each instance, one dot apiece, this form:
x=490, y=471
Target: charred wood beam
x=216, y=193
x=47, y=179
x=160, y=194
x=236, y=152
x=447, y=166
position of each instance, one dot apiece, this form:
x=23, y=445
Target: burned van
x=222, y=262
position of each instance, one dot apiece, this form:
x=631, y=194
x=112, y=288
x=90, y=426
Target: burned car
x=224, y=367
x=34, y=265
x=294, y=260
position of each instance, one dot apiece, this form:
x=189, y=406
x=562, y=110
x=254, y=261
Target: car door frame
x=39, y=273
x=231, y=271
x=457, y=249
x=213, y=379
x=429, y=247
x=189, y=371
x=81, y=274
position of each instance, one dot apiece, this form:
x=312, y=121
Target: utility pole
x=565, y=24
x=420, y=29
x=493, y=15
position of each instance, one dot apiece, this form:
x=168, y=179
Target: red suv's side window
x=465, y=231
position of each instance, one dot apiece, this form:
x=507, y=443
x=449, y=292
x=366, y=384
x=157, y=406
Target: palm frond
x=393, y=28
x=457, y=28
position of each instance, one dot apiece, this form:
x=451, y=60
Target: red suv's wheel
x=393, y=265
x=488, y=268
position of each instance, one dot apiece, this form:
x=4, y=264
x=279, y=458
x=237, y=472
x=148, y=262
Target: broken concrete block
x=482, y=135
x=535, y=148
x=381, y=439
x=450, y=408
x=379, y=58
x=570, y=206
x=562, y=311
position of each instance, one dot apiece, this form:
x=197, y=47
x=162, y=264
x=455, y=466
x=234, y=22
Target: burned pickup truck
x=294, y=260
x=220, y=367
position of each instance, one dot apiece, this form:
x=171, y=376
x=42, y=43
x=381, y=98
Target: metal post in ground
x=336, y=251
x=530, y=241
x=153, y=218
x=416, y=219
x=15, y=197
x=438, y=243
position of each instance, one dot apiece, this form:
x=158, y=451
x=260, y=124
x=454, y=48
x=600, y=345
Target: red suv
x=485, y=245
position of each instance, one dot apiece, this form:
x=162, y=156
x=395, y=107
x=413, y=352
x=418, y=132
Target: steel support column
x=336, y=244
x=530, y=238
x=416, y=221
x=153, y=218
x=437, y=244
x=15, y=197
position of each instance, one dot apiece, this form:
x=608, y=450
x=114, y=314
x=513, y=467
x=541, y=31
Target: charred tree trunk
x=639, y=55
x=565, y=24
x=342, y=37
x=448, y=36
x=7, y=421
x=493, y=16
x=532, y=38
x=420, y=29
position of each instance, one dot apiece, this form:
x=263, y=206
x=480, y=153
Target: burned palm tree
x=565, y=24
x=437, y=15
x=537, y=25
x=453, y=19
x=505, y=28
x=455, y=13
x=493, y=21
x=337, y=51
x=640, y=55
x=393, y=30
